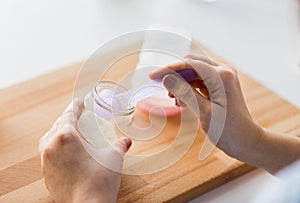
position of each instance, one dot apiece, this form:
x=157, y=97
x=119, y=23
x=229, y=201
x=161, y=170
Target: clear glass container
x=105, y=102
x=106, y=115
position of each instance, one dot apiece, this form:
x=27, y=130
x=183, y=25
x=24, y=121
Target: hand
x=217, y=89
x=71, y=174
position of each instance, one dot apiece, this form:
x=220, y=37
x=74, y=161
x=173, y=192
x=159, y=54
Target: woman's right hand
x=216, y=97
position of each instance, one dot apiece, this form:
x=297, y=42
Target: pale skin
x=242, y=138
x=71, y=175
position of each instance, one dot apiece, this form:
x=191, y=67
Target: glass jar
x=104, y=115
x=105, y=104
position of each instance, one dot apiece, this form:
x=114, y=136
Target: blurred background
x=260, y=37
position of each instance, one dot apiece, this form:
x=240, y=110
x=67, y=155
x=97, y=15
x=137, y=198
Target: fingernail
x=169, y=81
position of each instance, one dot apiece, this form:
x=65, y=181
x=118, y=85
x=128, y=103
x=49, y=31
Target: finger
x=170, y=95
x=210, y=75
x=122, y=145
x=71, y=114
x=199, y=84
x=54, y=126
x=43, y=142
x=66, y=129
x=207, y=73
x=204, y=92
x=202, y=58
x=183, y=92
x=195, y=65
x=48, y=135
x=68, y=118
x=169, y=69
x=75, y=106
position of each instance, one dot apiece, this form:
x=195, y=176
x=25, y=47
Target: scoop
x=137, y=94
x=116, y=104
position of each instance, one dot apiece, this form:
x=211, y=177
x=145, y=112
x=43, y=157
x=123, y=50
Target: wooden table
x=28, y=110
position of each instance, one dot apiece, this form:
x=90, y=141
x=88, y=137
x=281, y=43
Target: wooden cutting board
x=28, y=110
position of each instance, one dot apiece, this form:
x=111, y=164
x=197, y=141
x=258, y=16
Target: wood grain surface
x=28, y=110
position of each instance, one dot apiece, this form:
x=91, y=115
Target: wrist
x=253, y=152
x=248, y=144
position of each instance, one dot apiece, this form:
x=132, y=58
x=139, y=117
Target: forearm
x=273, y=151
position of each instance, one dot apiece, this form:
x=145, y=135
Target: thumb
x=122, y=145
x=184, y=92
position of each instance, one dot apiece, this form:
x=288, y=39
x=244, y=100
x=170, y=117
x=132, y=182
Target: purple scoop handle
x=188, y=74
x=148, y=90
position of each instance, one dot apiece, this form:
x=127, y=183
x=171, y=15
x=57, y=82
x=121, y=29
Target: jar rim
x=103, y=104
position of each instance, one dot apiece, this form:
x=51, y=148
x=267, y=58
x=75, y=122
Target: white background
x=262, y=38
